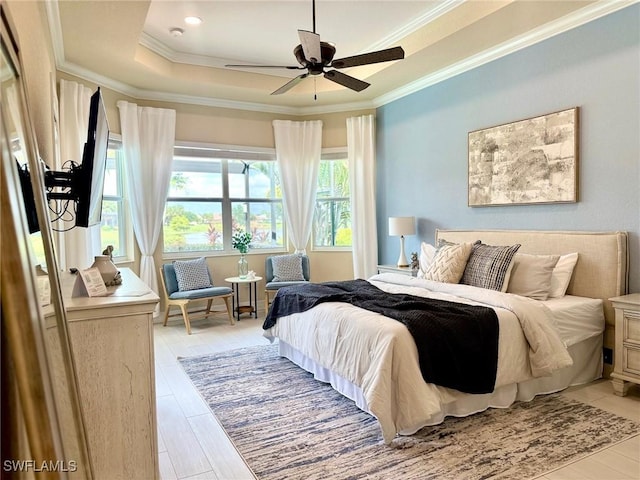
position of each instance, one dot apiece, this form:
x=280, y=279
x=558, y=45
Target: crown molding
x=55, y=31
x=440, y=9
x=564, y=24
x=143, y=94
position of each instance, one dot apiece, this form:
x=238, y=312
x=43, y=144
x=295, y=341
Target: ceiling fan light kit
x=315, y=56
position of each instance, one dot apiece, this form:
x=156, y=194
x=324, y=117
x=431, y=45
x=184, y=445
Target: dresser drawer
x=631, y=360
x=631, y=327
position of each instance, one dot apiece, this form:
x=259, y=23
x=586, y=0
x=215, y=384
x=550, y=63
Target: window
x=332, y=216
x=214, y=192
x=114, y=229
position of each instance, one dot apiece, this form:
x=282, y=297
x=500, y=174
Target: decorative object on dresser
x=109, y=272
x=529, y=161
x=626, y=360
x=183, y=282
x=401, y=226
x=117, y=280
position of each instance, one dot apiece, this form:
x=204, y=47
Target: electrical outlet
x=607, y=355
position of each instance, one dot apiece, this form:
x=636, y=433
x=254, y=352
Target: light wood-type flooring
x=192, y=445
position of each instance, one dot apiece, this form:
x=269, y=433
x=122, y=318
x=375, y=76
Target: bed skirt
x=587, y=367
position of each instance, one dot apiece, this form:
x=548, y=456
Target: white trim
x=161, y=49
x=439, y=9
x=55, y=31
x=584, y=15
x=544, y=32
x=225, y=147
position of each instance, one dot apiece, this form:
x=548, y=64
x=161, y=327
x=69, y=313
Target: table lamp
x=402, y=226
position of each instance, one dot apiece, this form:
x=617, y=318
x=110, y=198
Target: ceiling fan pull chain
x=315, y=90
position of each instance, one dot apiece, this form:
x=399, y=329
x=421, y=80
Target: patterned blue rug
x=289, y=426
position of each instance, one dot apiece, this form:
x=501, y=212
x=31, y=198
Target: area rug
x=287, y=425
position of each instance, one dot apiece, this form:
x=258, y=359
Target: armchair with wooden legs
x=174, y=297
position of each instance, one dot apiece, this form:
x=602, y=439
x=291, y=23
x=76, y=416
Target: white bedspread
x=378, y=354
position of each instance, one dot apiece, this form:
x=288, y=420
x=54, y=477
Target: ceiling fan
x=315, y=56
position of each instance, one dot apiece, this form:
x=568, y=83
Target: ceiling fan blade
x=310, y=42
x=290, y=84
x=346, y=80
x=289, y=67
x=395, y=53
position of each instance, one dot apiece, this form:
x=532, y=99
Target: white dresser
x=112, y=342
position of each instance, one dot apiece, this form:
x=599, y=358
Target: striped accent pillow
x=489, y=266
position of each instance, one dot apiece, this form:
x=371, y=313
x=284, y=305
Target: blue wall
x=422, y=138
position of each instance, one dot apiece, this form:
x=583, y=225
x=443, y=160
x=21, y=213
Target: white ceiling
x=126, y=45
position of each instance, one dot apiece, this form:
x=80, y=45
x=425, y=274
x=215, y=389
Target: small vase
x=243, y=267
x=106, y=267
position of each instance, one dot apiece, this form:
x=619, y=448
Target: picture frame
x=530, y=161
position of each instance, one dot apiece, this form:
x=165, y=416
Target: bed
x=544, y=344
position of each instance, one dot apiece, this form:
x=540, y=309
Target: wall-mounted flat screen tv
x=90, y=181
x=83, y=183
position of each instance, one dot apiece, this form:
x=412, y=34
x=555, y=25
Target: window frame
x=224, y=153
x=125, y=226
x=329, y=154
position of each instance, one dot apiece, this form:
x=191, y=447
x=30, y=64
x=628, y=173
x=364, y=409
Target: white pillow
x=449, y=262
x=531, y=275
x=427, y=252
x=561, y=275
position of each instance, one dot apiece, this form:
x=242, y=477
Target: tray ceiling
x=128, y=45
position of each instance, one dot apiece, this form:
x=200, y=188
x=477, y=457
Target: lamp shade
x=402, y=226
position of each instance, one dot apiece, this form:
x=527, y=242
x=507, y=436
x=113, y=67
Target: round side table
x=252, y=308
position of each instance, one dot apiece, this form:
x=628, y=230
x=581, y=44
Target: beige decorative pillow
x=449, y=262
x=531, y=275
x=561, y=275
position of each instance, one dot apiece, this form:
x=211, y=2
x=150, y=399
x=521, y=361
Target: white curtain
x=77, y=246
x=361, y=153
x=148, y=138
x=298, y=150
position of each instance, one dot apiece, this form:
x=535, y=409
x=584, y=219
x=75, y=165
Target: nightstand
x=395, y=269
x=626, y=365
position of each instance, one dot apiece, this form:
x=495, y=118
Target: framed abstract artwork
x=525, y=162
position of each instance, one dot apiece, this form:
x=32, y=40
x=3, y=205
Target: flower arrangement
x=241, y=241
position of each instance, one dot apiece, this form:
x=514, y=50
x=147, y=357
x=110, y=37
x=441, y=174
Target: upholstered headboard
x=603, y=260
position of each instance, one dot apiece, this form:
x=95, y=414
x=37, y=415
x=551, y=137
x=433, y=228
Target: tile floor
x=193, y=446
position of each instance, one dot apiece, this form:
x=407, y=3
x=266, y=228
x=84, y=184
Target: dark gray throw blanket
x=457, y=343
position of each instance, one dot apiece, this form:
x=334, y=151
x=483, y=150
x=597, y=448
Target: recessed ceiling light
x=176, y=32
x=193, y=20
